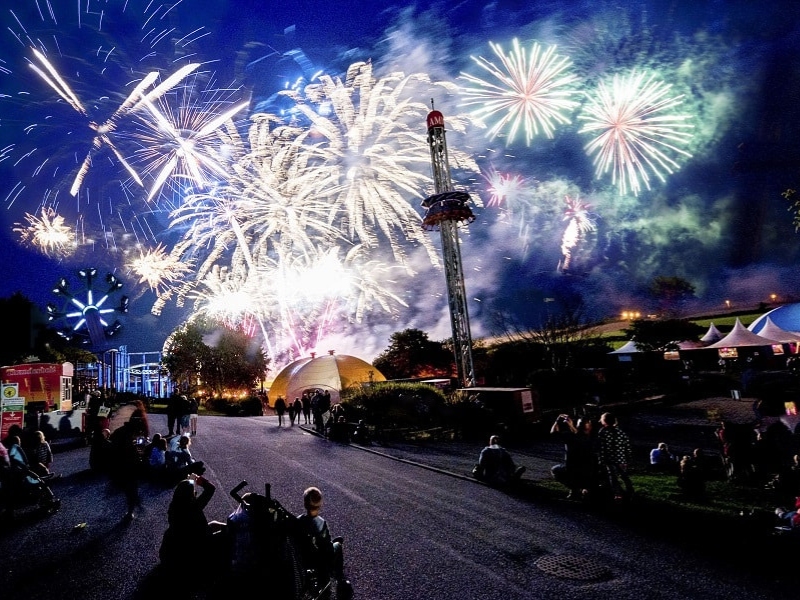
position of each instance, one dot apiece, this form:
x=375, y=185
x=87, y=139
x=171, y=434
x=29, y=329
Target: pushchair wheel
x=344, y=590
x=52, y=506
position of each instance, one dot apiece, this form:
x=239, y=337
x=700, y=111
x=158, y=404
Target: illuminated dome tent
x=786, y=317
x=331, y=372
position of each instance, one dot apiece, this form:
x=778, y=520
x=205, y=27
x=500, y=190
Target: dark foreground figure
x=260, y=548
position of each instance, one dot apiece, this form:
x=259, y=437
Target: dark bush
x=234, y=407
x=396, y=405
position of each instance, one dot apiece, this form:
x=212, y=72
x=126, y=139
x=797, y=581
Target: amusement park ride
x=445, y=211
x=84, y=313
x=90, y=316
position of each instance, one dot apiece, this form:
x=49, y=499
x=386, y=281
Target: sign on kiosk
x=12, y=408
x=43, y=387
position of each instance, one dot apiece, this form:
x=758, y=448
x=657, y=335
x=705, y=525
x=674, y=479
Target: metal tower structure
x=445, y=211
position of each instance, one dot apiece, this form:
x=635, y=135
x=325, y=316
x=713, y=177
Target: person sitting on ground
x=786, y=482
x=41, y=456
x=157, y=460
x=495, y=465
x=319, y=552
x=148, y=449
x=339, y=431
x=661, y=459
x=181, y=462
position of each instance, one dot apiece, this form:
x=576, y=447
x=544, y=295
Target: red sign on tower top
x=435, y=119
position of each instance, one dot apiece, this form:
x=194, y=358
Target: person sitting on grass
x=790, y=519
x=662, y=460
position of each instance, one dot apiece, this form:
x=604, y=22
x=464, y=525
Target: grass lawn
x=725, y=501
x=617, y=336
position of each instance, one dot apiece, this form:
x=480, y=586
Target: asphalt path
x=411, y=533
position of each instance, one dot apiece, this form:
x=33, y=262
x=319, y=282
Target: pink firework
x=504, y=188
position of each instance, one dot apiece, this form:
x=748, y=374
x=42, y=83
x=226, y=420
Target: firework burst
x=371, y=153
x=178, y=138
x=79, y=73
x=159, y=269
x=529, y=90
x=636, y=132
x=333, y=182
x=48, y=234
x=505, y=188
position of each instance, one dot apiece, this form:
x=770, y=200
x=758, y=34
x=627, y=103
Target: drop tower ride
x=445, y=211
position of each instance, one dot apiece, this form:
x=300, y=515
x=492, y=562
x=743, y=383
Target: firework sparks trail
x=49, y=233
x=159, y=269
x=580, y=223
x=635, y=130
x=224, y=297
x=315, y=292
x=88, y=59
x=530, y=90
x=181, y=141
x=333, y=181
x=372, y=149
x=102, y=131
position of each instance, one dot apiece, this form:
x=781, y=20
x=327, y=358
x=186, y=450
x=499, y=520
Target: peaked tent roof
x=741, y=336
x=771, y=330
x=332, y=372
x=712, y=335
x=628, y=348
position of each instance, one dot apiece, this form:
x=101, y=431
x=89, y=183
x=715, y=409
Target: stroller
x=264, y=539
x=21, y=487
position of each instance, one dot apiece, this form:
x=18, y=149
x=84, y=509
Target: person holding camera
x=578, y=471
x=189, y=538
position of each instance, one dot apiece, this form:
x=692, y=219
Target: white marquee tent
x=740, y=336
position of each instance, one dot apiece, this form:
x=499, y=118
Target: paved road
x=411, y=532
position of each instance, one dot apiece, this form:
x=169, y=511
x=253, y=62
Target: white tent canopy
x=628, y=348
x=741, y=336
x=712, y=335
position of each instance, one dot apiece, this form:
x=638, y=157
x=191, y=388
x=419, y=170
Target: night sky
x=718, y=219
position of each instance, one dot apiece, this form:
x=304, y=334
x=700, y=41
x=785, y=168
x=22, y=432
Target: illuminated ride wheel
x=86, y=315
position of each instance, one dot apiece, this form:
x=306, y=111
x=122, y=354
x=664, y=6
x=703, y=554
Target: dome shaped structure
x=331, y=372
x=787, y=317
